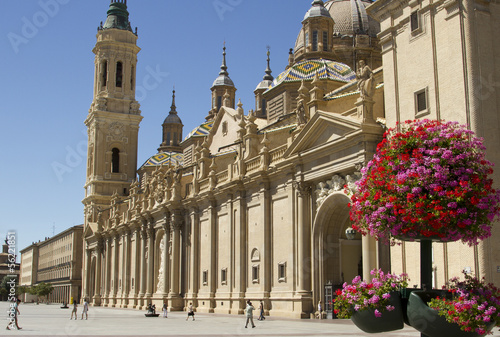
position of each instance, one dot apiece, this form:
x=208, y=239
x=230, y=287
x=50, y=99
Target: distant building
x=7, y=266
x=58, y=261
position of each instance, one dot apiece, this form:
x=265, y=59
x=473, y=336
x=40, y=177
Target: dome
x=172, y=119
x=165, y=159
x=307, y=69
x=350, y=19
x=223, y=79
x=118, y=16
x=265, y=84
x=316, y=10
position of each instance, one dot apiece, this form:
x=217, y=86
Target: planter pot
x=390, y=320
x=427, y=320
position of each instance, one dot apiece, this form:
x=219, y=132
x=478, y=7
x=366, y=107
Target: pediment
x=90, y=229
x=323, y=128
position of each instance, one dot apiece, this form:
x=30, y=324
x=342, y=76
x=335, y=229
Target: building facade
x=255, y=206
x=456, y=77
x=8, y=265
x=58, y=261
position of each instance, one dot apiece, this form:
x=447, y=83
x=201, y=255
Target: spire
x=117, y=16
x=268, y=76
x=223, y=67
x=223, y=78
x=172, y=107
x=172, y=117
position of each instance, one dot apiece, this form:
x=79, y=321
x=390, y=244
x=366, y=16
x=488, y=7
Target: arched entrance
x=336, y=258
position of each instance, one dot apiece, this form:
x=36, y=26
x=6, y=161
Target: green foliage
x=7, y=284
x=42, y=289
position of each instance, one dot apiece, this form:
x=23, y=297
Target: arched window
x=263, y=106
x=168, y=138
x=115, y=160
x=132, y=71
x=325, y=41
x=104, y=73
x=119, y=74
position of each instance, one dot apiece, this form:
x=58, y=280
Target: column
x=88, y=259
x=194, y=270
x=240, y=249
x=176, y=223
x=150, y=262
x=107, y=271
x=370, y=256
x=135, y=272
x=164, y=258
x=97, y=290
x=267, y=253
x=143, y=270
x=126, y=267
x=304, y=239
x=115, y=262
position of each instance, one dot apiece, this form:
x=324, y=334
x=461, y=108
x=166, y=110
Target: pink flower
x=377, y=313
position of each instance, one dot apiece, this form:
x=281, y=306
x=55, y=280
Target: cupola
x=172, y=130
x=221, y=85
x=315, y=38
x=267, y=81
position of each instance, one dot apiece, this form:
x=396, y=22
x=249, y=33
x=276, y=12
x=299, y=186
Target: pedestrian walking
x=85, y=309
x=165, y=309
x=261, y=309
x=75, y=308
x=190, y=311
x=319, y=314
x=13, y=313
x=249, y=312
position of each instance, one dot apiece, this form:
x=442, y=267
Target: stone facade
x=58, y=261
x=456, y=76
x=255, y=205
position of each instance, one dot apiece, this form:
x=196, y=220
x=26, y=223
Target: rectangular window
x=307, y=40
x=255, y=274
x=282, y=272
x=421, y=103
x=325, y=41
x=415, y=22
x=205, y=277
x=223, y=276
x=315, y=41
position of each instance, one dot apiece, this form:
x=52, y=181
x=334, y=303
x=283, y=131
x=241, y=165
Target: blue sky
x=47, y=81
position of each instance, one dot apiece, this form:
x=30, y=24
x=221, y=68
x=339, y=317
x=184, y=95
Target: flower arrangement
x=473, y=305
x=361, y=295
x=430, y=178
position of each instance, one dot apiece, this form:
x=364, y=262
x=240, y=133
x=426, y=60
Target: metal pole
x=425, y=266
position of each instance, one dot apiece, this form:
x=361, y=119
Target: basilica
x=255, y=205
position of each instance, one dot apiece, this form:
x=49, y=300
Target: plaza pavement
x=51, y=320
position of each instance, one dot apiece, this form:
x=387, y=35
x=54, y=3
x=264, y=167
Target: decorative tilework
x=164, y=158
x=307, y=69
x=201, y=130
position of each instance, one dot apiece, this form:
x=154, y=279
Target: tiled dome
x=307, y=69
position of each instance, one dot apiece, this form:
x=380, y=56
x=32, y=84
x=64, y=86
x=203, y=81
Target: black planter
x=427, y=320
x=390, y=320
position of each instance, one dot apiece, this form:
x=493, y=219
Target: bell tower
x=114, y=115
